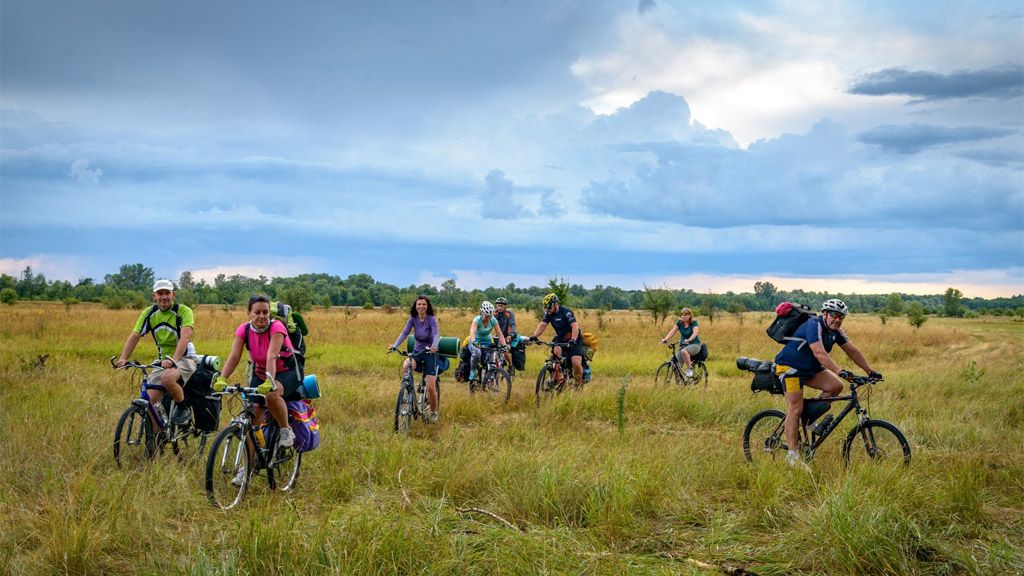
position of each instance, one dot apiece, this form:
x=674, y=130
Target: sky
x=857, y=147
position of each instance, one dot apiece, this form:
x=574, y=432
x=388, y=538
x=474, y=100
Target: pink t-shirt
x=260, y=343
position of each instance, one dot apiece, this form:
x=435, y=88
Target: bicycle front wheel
x=878, y=442
x=666, y=374
x=134, y=440
x=228, y=468
x=546, y=386
x=764, y=438
x=403, y=410
x=497, y=381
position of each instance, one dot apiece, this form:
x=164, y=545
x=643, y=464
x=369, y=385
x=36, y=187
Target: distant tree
x=449, y=292
x=9, y=296
x=298, y=296
x=915, y=313
x=131, y=277
x=561, y=289
x=765, y=291
x=659, y=303
x=893, y=307
x=186, y=282
x=952, y=304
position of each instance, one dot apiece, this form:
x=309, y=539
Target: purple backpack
x=303, y=420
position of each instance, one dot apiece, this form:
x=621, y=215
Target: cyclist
x=689, y=338
x=567, y=329
x=274, y=369
x=507, y=323
x=171, y=325
x=805, y=361
x=423, y=325
x=482, y=330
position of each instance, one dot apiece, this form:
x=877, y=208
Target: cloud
x=1003, y=82
x=498, y=198
x=81, y=172
x=913, y=138
x=646, y=6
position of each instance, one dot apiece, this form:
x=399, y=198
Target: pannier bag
x=303, y=421
x=702, y=355
x=199, y=395
x=765, y=379
x=590, y=340
x=519, y=355
x=788, y=317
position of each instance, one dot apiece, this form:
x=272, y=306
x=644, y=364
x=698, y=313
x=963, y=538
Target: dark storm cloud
x=997, y=82
x=913, y=138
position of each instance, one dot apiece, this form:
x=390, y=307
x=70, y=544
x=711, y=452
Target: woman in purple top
x=423, y=325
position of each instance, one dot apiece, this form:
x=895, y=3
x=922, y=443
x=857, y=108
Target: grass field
x=567, y=490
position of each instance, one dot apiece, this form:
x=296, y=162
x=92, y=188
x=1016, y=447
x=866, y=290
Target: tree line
x=131, y=286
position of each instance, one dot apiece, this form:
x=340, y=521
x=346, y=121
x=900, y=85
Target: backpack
x=152, y=329
x=295, y=324
x=788, y=317
x=590, y=340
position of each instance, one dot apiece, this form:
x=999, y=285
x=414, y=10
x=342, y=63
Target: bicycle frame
x=852, y=404
x=418, y=392
x=265, y=453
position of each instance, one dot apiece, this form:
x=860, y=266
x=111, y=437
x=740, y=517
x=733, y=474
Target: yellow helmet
x=550, y=300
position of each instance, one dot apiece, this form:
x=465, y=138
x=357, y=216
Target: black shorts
x=426, y=363
x=575, y=349
x=289, y=379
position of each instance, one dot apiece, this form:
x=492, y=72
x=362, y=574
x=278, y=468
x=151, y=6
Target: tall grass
x=610, y=480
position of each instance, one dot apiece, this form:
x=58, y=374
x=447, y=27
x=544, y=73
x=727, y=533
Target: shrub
x=8, y=296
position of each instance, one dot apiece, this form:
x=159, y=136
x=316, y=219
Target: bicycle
x=764, y=435
x=672, y=370
x=491, y=373
x=412, y=403
x=556, y=372
x=145, y=427
x=244, y=449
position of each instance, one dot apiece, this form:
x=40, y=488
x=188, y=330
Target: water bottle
x=821, y=426
x=161, y=413
x=259, y=437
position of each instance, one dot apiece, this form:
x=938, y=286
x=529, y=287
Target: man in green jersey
x=171, y=326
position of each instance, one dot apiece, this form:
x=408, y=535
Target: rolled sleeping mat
x=309, y=388
x=446, y=346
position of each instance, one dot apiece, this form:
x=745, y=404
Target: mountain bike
x=491, y=375
x=672, y=370
x=145, y=428
x=412, y=403
x=247, y=448
x=870, y=439
x=556, y=373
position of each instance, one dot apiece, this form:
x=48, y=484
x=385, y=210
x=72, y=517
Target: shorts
x=576, y=349
x=290, y=379
x=691, y=349
x=793, y=380
x=186, y=367
x=425, y=363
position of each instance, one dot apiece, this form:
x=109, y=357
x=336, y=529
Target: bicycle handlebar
x=407, y=354
x=550, y=344
x=133, y=364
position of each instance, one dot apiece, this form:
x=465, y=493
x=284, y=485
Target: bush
x=8, y=296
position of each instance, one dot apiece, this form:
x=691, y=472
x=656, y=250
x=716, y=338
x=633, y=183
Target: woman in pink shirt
x=273, y=364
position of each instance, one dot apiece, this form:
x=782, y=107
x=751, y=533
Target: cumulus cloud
x=646, y=6
x=81, y=172
x=498, y=198
x=913, y=138
x=1002, y=82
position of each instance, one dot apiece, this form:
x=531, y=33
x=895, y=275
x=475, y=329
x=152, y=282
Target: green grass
x=594, y=482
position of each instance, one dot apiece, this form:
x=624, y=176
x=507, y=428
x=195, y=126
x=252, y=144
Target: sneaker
x=287, y=438
x=689, y=372
x=793, y=460
x=239, y=478
x=433, y=416
x=182, y=415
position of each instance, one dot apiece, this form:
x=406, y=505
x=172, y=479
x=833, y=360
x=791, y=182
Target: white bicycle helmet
x=486, y=308
x=835, y=305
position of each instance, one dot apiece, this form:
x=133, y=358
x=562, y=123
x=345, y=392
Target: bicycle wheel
x=545, y=384
x=228, y=468
x=878, y=442
x=497, y=381
x=134, y=441
x=764, y=438
x=403, y=410
x=700, y=375
x=666, y=374
x=283, y=473
x=188, y=444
